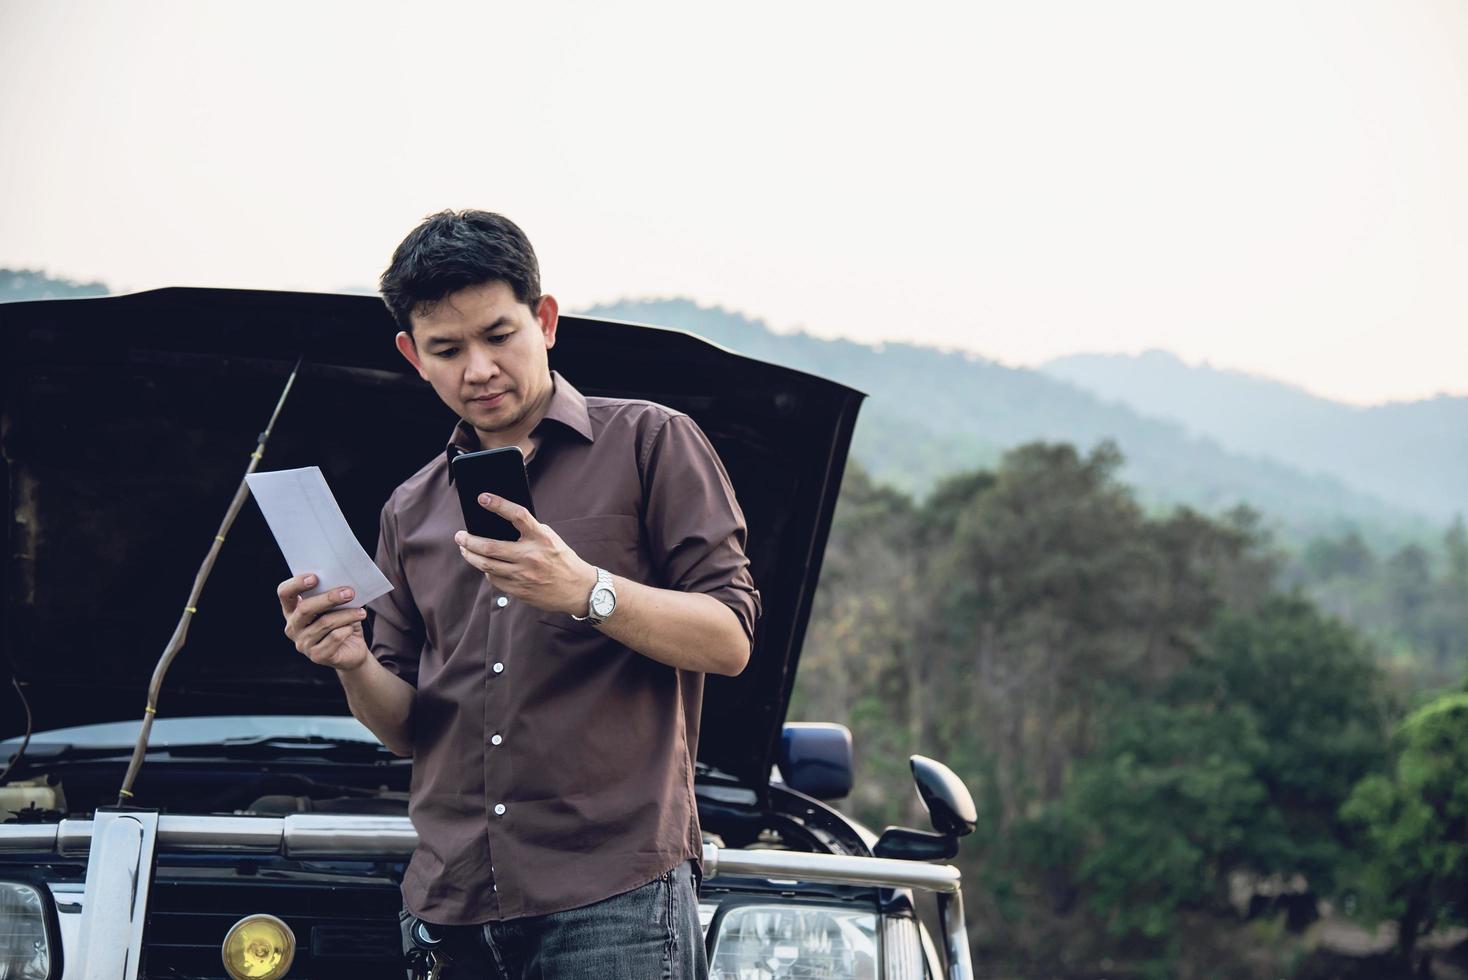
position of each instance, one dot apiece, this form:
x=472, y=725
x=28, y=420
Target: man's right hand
x=329, y=636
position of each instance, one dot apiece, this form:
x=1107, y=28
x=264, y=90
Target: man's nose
x=481, y=366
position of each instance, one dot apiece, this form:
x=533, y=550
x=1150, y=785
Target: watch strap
x=603, y=581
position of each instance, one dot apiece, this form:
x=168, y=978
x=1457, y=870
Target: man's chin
x=496, y=419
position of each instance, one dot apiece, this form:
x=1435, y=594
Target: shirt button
x=495, y=740
x=502, y=602
x=499, y=668
x=499, y=809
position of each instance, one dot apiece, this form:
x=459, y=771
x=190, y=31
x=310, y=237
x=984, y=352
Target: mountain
x=1413, y=455
x=933, y=413
x=19, y=285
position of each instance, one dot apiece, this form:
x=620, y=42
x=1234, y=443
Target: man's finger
x=489, y=566
x=308, y=610
x=315, y=605
x=324, y=652
x=492, y=548
x=523, y=520
x=289, y=591
x=313, y=633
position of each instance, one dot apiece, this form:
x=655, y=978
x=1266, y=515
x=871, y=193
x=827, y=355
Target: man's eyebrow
x=504, y=321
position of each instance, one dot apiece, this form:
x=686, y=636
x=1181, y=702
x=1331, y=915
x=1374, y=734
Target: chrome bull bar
x=315, y=835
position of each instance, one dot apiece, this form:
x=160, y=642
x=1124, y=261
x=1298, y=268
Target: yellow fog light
x=259, y=947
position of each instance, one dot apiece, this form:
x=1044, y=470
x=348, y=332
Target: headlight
x=28, y=947
x=259, y=947
x=776, y=942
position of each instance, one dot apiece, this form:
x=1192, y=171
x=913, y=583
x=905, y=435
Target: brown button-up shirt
x=553, y=766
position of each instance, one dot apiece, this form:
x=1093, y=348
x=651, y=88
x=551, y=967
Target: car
x=267, y=831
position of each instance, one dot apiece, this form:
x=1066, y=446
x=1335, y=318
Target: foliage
x=1313, y=693
x=1412, y=603
x=1414, y=825
x=1141, y=714
x=935, y=414
x=1239, y=766
x=1164, y=805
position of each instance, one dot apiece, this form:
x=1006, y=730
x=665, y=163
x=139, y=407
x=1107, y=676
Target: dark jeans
x=649, y=933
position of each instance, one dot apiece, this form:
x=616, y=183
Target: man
x=553, y=737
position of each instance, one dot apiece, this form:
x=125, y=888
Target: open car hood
x=128, y=423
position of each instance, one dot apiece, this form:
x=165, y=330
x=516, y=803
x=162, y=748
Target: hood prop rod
x=181, y=631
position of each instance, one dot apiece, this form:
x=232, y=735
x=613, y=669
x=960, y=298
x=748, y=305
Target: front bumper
x=120, y=848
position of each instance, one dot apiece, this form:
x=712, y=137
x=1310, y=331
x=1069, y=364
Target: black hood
x=129, y=420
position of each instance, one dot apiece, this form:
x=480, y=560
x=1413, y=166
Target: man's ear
x=409, y=350
x=548, y=314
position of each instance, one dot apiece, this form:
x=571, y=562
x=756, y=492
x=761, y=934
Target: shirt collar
x=567, y=406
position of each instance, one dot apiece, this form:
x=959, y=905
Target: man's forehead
x=469, y=309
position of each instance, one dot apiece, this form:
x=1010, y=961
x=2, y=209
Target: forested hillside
x=933, y=413
x=1411, y=454
x=1410, y=601
x=1183, y=768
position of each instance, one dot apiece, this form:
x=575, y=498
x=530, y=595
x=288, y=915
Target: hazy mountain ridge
x=935, y=412
x=932, y=413
x=20, y=285
x=1411, y=454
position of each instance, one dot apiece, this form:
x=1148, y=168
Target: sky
x=1276, y=187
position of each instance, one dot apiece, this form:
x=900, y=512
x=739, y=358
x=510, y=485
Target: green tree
x=1414, y=826
x=1348, y=556
x=862, y=663
x=1444, y=623
x=1409, y=581
x=1038, y=583
x=1313, y=692
x=1455, y=543
x=1241, y=765
x=1138, y=712
x=1165, y=807
x=1414, y=605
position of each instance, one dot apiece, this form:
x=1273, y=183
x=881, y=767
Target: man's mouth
x=488, y=401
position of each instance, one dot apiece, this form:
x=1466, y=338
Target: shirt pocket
x=610, y=541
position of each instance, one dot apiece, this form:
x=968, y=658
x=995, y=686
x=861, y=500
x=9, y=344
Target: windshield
x=205, y=731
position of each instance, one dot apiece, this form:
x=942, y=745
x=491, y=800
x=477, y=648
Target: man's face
x=484, y=352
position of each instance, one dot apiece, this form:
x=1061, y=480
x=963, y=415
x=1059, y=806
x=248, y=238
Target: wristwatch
x=603, y=600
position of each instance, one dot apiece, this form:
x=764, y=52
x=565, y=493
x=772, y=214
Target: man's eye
x=499, y=338
x=446, y=352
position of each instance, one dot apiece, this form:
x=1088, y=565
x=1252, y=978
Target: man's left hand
x=540, y=568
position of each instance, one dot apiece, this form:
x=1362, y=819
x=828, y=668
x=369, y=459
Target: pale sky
x=1273, y=186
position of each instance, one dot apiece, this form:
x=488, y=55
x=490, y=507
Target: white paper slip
x=313, y=535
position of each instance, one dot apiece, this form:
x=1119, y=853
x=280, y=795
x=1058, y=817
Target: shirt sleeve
x=696, y=531
x=394, y=625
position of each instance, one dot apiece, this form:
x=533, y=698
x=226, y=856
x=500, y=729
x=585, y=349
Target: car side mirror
x=815, y=759
x=905, y=844
x=950, y=806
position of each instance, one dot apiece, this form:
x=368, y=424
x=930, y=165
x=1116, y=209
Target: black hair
x=452, y=250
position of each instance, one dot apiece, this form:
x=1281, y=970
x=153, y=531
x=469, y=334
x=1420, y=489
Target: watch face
x=603, y=602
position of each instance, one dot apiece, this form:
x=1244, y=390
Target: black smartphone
x=496, y=471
